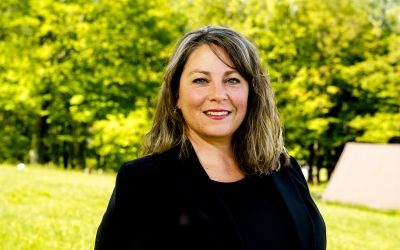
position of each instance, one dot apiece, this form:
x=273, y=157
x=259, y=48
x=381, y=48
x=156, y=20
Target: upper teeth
x=217, y=113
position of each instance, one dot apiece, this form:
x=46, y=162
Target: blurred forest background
x=79, y=78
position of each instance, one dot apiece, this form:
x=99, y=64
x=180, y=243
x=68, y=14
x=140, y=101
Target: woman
x=216, y=174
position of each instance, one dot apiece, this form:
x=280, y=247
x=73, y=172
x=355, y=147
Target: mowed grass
x=353, y=227
x=47, y=208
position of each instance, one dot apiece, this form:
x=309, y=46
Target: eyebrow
x=209, y=73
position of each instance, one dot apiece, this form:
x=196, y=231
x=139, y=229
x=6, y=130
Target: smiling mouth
x=217, y=113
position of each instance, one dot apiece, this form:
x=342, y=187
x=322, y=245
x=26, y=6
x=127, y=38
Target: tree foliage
x=78, y=78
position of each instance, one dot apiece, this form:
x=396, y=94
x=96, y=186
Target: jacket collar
x=296, y=207
x=196, y=186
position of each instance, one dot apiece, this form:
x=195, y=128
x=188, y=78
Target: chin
x=218, y=134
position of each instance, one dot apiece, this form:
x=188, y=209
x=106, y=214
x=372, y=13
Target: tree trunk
x=65, y=154
x=43, y=132
x=81, y=154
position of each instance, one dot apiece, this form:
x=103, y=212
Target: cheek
x=241, y=100
x=189, y=99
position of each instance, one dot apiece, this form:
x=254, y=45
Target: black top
x=259, y=213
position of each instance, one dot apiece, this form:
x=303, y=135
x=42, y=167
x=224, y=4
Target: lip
x=217, y=114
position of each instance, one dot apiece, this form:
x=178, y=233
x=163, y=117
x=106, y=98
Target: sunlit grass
x=51, y=209
x=356, y=227
x=48, y=208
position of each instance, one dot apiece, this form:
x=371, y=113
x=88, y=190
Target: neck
x=217, y=158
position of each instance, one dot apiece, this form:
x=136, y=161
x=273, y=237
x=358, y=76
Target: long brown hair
x=258, y=143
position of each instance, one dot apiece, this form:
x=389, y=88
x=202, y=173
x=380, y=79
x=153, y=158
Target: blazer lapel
x=296, y=207
x=196, y=188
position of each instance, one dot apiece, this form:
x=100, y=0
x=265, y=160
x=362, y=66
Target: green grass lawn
x=355, y=227
x=47, y=208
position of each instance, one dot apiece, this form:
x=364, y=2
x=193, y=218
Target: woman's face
x=212, y=96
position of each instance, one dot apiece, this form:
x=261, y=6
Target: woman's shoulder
x=293, y=170
x=148, y=163
x=292, y=166
x=140, y=161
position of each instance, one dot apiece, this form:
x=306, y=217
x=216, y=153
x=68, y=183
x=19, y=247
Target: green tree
x=78, y=62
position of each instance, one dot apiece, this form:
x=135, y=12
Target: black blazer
x=163, y=202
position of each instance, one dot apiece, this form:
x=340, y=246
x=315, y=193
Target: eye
x=200, y=81
x=233, y=81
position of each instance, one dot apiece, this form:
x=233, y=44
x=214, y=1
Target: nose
x=218, y=91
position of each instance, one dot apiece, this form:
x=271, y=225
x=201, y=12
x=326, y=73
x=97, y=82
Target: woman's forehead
x=211, y=50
